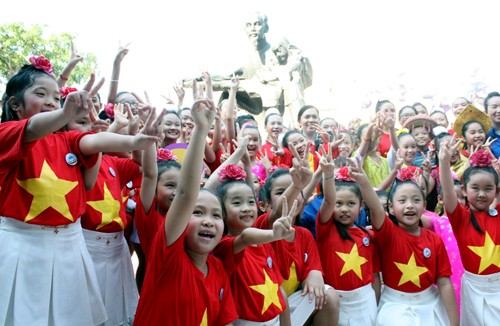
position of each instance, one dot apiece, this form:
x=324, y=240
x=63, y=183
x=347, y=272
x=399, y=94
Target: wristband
x=329, y=177
x=63, y=78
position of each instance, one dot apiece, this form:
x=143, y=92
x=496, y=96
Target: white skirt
x=115, y=275
x=300, y=307
x=273, y=322
x=416, y=309
x=358, y=307
x=480, y=297
x=47, y=276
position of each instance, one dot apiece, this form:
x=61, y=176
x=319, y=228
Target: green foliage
x=18, y=43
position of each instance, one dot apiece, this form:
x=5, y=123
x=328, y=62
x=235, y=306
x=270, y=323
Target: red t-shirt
x=147, y=224
x=41, y=181
x=385, y=144
x=295, y=259
x=105, y=203
x=216, y=163
x=480, y=252
x=175, y=291
x=411, y=263
x=347, y=264
x=255, y=280
x=277, y=160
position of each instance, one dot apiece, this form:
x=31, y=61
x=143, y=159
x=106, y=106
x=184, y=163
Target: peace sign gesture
x=447, y=149
x=283, y=227
x=326, y=162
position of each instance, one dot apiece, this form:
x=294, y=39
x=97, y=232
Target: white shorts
x=47, y=276
x=416, y=309
x=480, y=297
x=115, y=274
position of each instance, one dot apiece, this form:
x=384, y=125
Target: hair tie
x=482, y=158
x=342, y=174
x=42, y=63
x=232, y=172
x=65, y=91
x=409, y=174
x=165, y=155
x=109, y=109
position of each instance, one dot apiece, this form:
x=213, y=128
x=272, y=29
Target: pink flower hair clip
x=232, y=172
x=342, y=174
x=165, y=155
x=482, y=158
x=65, y=91
x=42, y=63
x=109, y=109
x=410, y=173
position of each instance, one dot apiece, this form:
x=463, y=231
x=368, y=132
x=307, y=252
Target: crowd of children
x=390, y=223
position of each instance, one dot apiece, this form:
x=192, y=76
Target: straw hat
x=420, y=120
x=471, y=113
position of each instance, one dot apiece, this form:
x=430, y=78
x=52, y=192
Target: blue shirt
x=495, y=146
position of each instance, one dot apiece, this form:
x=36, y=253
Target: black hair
x=265, y=190
x=395, y=185
x=417, y=104
x=218, y=198
x=440, y=112
x=304, y=109
x=406, y=107
x=270, y=115
x=17, y=86
x=379, y=104
x=488, y=98
x=468, y=173
x=173, y=112
x=360, y=130
x=244, y=118
x=166, y=165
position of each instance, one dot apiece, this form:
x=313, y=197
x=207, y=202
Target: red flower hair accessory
x=481, y=158
x=232, y=172
x=42, y=63
x=165, y=155
x=342, y=174
x=109, y=109
x=66, y=90
x=409, y=174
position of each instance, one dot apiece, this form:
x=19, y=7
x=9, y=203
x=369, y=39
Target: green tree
x=18, y=43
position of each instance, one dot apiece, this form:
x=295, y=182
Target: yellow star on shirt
x=489, y=253
x=48, y=191
x=292, y=283
x=411, y=272
x=204, y=320
x=353, y=261
x=109, y=208
x=270, y=292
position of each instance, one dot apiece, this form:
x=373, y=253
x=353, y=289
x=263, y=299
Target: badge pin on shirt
x=71, y=159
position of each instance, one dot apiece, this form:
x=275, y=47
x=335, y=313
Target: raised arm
x=450, y=200
x=328, y=204
x=228, y=109
x=181, y=210
x=369, y=195
x=75, y=58
x=115, y=74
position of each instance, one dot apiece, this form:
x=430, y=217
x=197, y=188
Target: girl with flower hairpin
x=348, y=252
x=184, y=283
x=247, y=255
x=46, y=172
x=477, y=231
x=413, y=259
x=298, y=260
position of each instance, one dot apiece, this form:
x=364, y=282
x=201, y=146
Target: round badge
x=130, y=185
x=71, y=159
x=221, y=294
x=493, y=212
x=306, y=257
x=269, y=262
x=112, y=171
x=366, y=241
x=427, y=252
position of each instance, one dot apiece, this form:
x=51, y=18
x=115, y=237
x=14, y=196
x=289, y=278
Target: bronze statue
x=272, y=76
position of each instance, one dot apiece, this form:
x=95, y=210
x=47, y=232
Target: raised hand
x=75, y=58
x=300, y=172
x=356, y=172
x=98, y=125
x=447, y=149
x=283, y=226
x=78, y=104
x=203, y=113
x=326, y=162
